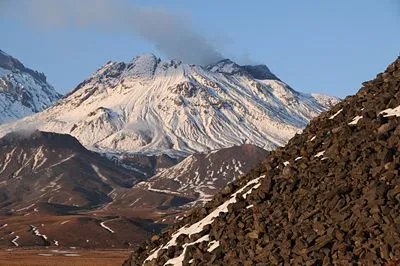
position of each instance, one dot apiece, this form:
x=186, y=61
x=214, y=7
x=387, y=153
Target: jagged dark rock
x=331, y=196
x=229, y=67
x=260, y=72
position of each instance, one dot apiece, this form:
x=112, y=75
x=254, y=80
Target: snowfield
x=152, y=106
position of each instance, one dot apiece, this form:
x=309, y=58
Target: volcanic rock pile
x=330, y=196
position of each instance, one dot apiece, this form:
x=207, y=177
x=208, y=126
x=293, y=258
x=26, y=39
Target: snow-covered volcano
x=23, y=91
x=150, y=105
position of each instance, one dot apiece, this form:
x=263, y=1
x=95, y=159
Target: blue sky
x=313, y=45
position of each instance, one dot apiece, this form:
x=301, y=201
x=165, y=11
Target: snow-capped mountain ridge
x=10, y=63
x=23, y=91
x=150, y=105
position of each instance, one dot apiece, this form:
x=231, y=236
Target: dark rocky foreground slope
x=330, y=196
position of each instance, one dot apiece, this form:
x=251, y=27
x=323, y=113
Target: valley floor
x=62, y=257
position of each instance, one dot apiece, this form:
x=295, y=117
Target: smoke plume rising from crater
x=172, y=34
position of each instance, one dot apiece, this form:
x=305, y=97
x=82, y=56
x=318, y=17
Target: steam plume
x=170, y=33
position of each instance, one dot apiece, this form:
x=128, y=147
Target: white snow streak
x=14, y=241
x=355, y=120
x=178, y=261
x=7, y=160
x=96, y=169
x=213, y=245
x=163, y=191
x=319, y=154
x=338, y=112
x=35, y=230
x=391, y=112
x=63, y=161
x=38, y=159
x=133, y=203
x=25, y=208
x=106, y=227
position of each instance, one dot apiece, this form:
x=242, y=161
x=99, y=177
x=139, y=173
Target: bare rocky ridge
x=23, y=91
x=58, y=170
x=55, y=192
x=192, y=182
x=147, y=165
x=201, y=175
x=329, y=197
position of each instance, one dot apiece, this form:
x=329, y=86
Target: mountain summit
x=23, y=91
x=153, y=106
